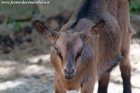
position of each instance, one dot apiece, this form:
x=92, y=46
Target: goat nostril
x=65, y=70
x=69, y=71
x=72, y=70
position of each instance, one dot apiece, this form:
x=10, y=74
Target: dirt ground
x=25, y=66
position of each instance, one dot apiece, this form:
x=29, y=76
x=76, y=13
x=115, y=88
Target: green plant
x=19, y=25
x=134, y=6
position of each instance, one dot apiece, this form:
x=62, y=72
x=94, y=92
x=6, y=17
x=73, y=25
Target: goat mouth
x=68, y=77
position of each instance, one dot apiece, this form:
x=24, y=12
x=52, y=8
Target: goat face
x=70, y=48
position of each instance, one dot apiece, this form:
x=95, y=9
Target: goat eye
x=79, y=53
x=56, y=48
x=58, y=52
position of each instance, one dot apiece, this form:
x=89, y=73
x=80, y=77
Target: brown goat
x=90, y=46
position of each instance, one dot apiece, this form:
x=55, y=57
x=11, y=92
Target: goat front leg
x=57, y=87
x=88, y=85
x=103, y=83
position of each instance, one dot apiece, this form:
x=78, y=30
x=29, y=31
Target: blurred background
x=24, y=54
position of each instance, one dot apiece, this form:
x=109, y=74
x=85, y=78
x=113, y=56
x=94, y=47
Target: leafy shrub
x=134, y=6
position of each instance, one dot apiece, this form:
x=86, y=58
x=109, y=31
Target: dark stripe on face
x=70, y=58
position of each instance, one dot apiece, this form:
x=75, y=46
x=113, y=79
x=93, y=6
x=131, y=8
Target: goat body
x=90, y=45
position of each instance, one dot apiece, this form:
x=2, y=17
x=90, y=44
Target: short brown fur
x=104, y=44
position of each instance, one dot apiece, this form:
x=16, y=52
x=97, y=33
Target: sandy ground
x=35, y=74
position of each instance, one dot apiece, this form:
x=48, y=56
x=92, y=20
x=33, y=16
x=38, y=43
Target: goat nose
x=69, y=71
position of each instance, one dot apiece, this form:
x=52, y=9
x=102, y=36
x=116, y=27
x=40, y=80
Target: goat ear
x=98, y=27
x=44, y=30
x=94, y=30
